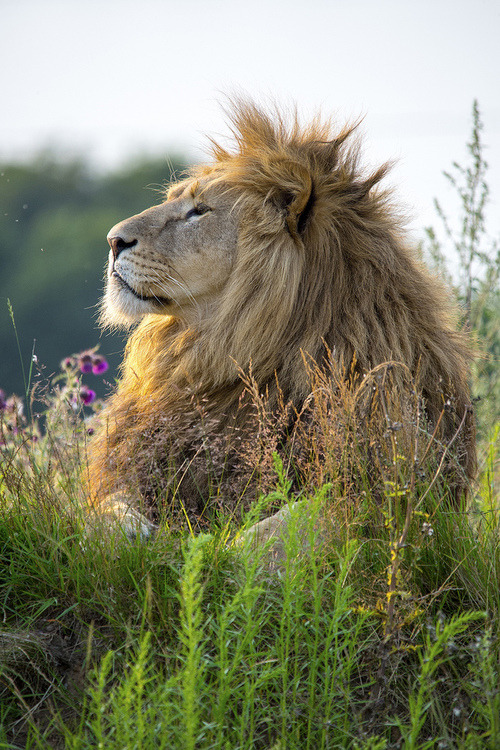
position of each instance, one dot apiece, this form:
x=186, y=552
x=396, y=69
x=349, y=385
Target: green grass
x=190, y=642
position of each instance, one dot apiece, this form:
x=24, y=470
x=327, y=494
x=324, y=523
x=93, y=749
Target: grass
x=386, y=636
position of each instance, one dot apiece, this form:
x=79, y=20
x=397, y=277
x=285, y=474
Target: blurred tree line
x=55, y=214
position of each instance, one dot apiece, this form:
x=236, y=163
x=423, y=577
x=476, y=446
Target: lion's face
x=174, y=258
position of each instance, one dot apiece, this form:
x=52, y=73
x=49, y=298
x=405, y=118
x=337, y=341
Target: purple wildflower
x=99, y=364
x=85, y=362
x=87, y=395
x=3, y=402
x=68, y=363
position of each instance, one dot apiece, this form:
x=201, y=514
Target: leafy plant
x=470, y=256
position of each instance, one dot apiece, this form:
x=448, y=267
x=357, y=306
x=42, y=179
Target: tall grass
x=469, y=258
x=186, y=642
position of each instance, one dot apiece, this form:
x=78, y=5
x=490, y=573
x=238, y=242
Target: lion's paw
x=117, y=513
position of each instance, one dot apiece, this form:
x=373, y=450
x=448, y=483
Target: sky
x=116, y=78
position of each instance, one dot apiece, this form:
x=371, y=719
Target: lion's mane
x=322, y=268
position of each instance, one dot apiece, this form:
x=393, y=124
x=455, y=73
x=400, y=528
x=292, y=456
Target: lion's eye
x=198, y=210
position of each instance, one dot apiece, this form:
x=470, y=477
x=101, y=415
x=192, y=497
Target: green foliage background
x=55, y=213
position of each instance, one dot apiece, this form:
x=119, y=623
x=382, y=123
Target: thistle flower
x=87, y=395
x=85, y=362
x=68, y=363
x=3, y=402
x=99, y=364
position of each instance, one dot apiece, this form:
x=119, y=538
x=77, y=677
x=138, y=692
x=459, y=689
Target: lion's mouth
x=143, y=297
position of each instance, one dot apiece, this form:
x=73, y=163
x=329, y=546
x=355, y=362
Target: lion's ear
x=305, y=212
x=298, y=206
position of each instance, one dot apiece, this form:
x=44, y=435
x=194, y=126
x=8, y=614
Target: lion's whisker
x=160, y=281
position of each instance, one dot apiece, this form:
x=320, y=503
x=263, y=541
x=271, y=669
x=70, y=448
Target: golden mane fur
x=321, y=268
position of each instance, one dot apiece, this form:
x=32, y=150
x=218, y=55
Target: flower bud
x=99, y=364
x=87, y=395
x=85, y=363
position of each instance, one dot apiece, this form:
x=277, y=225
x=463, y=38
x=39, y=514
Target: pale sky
x=113, y=78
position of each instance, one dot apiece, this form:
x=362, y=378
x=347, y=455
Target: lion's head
x=173, y=259
x=275, y=251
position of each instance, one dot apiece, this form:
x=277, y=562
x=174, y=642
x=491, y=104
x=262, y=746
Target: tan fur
x=299, y=253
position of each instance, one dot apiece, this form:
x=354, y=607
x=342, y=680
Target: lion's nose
x=117, y=244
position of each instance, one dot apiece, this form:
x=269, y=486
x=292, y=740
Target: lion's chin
x=120, y=308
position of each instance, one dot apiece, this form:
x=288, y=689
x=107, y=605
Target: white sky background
x=114, y=78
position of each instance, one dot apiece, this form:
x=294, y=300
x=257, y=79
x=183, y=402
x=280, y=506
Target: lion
x=278, y=251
